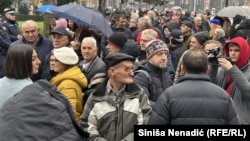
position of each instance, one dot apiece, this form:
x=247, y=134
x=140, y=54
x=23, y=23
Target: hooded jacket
x=240, y=75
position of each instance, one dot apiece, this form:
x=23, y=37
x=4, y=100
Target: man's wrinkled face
x=30, y=33
x=88, y=50
x=123, y=72
x=59, y=40
x=144, y=40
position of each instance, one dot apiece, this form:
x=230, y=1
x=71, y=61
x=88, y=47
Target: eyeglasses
x=12, y=14
x=125, y=67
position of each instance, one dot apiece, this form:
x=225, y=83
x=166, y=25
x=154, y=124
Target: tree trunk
x=226, y=3
x=47, y=18
x=102, y=5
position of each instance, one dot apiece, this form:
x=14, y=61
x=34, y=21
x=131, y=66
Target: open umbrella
x=46, y=8
x=84, y=16
x=232, y=11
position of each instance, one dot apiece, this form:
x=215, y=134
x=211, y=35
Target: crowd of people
x=158, y=67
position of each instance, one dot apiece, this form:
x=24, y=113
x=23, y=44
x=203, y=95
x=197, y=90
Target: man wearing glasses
x=117, y=104
x=10, y=24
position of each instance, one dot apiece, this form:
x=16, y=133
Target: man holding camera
x=235, y=75
x=213, y=49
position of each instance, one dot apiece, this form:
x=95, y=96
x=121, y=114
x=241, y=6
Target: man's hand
x=19, y=36
x=224, y=63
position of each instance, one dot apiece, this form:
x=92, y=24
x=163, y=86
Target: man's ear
x=208, y=69
x=183, y=70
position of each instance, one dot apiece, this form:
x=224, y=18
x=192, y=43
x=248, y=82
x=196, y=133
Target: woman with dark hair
x=21, y=62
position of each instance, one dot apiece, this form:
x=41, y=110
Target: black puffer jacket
x=243, y=29
x=131, y=48
x=194, y=100
x=34, y=114
x=160, y=81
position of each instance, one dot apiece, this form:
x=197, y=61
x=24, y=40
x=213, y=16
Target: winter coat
x=70, y=83
x=11, y=28
x=194, y=100
x=176, y=53
x=240, y=74
x=4, y=41
x=105, y=121
x=34, y=115
x=95, y=73
x=160, y=81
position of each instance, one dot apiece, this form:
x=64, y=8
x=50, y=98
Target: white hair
x=90, y=39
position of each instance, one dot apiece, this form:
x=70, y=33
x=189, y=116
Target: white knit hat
x=66, y=55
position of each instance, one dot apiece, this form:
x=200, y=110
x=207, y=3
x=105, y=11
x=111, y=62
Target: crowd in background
x=158, y=67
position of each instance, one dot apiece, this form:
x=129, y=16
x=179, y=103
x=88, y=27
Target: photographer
x=213, y=49
x=234, y=77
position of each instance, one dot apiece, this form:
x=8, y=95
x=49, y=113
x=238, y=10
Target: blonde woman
x=214, y=24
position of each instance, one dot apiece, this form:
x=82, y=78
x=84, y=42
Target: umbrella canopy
x=25, y=2
x=45, y=8
x=232, y=11
x=176, y=7
x=84, y=16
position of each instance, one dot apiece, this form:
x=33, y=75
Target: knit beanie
x=202, y=37
x=155, y=46
x=118, y=39
x=61, y=23
x=215, y=21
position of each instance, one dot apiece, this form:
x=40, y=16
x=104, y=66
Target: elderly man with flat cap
x=117, y=104
x=10, y=24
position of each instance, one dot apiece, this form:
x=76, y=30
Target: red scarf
x=229, y=85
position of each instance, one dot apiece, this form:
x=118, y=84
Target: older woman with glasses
x=69, y=79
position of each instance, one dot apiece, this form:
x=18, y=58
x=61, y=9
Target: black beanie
x=118, y=39
x=202, y=37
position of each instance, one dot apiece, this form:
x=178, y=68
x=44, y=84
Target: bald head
x=30, y=31
x=29, y=23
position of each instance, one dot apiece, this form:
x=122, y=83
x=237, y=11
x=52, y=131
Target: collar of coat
x=101, y=89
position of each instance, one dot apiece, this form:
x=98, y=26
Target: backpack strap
x=54, y=93
x=149, y=81
x=145, y=73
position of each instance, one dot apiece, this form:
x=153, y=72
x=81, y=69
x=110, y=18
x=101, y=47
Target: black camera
x=215, y=54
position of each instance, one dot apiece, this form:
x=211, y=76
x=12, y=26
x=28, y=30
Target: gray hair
x=90, y=39
x=135, y=17
x=152, y=33
x=145, y=21
x=220, y=32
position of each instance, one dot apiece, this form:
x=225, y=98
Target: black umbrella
x=84, y=16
